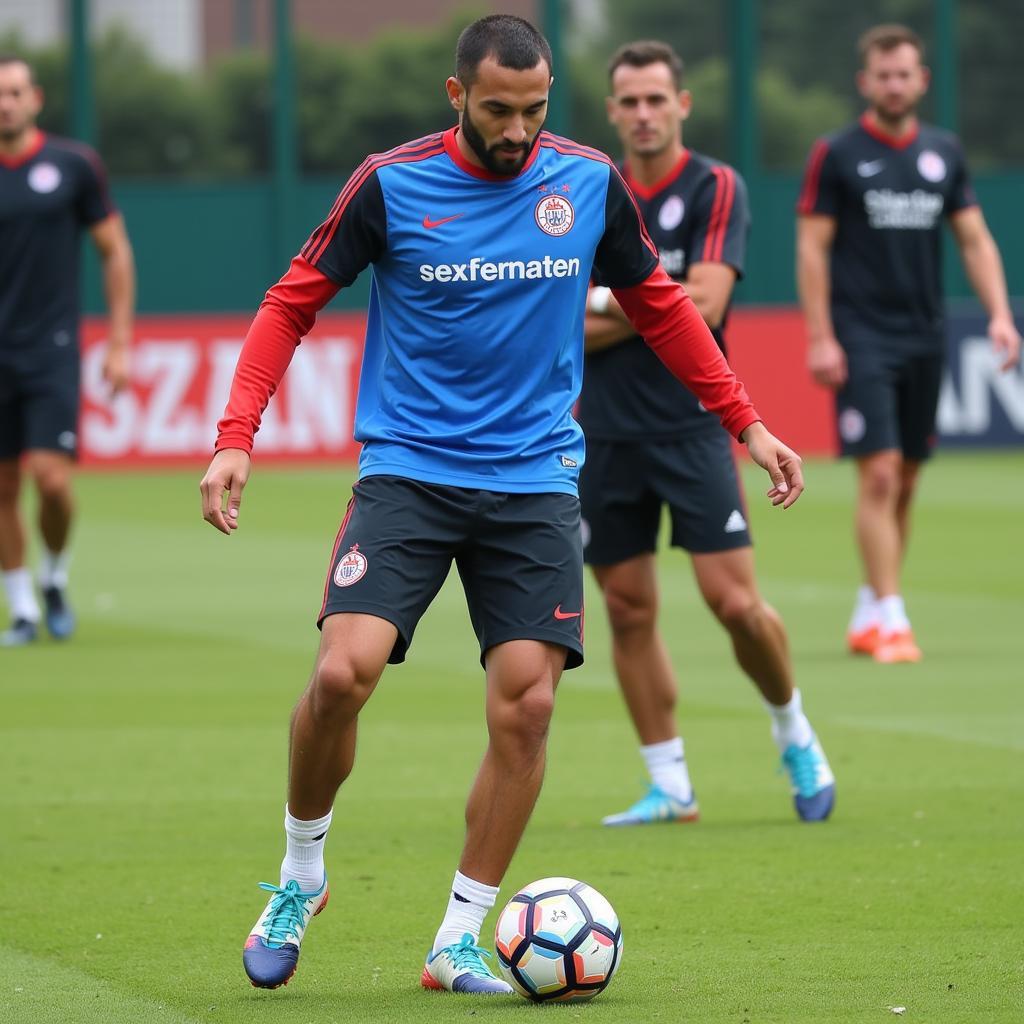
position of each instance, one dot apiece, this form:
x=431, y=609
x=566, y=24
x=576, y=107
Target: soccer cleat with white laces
x=814, y=785
x=271, y=953
x=460, y=968
x=654, y=807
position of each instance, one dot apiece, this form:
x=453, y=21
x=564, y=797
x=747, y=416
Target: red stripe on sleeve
x=721, y=211
x=284, y=318
x=812, y=177
x=669, y=323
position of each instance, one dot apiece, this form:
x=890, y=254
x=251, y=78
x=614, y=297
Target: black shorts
x=890, y=400
x=624, y=484
x=519, y=557
x=39, y=400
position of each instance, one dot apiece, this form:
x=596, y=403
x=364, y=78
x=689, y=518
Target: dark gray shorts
x=519, y=557
x=39, y=402
x=625, y=484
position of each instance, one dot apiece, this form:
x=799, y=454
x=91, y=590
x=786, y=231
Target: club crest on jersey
x=44, y=178
x=931, y=166
x=554, y=215
x=351, y=569
x=671, y=213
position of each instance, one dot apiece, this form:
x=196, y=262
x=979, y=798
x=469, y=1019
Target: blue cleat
x=460, y=967
x=271, y=953
x=654, y=807
x=22, y=632
x=60, y=619
x=814, y=785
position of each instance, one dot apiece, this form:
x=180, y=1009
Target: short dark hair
x=645, y=52
x=16, y=58
x=513, y=42
x=886, y=38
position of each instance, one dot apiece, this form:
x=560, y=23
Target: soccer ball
x=558, y=940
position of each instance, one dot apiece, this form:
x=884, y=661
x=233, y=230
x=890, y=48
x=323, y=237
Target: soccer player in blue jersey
x=869, y=235
x=482, y=239
x=650, y=445
x=51, y=191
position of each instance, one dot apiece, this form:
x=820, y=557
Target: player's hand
x=116, y=372
x=227, y=475
x=827, y=362
x=1005, y=341
x=781, y=463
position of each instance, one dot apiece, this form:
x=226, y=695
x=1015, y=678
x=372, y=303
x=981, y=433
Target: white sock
x=666, y=764
x=304, y=856
x=789, y=723
x=467, y=908
x=893, y=614
x=21, y=598
x=53, y=569
x=865, y=613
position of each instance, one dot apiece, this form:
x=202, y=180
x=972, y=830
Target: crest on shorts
x=931, y=166
x=44, y=178
x=351, y=569
x=852, y=425
x=554, y=215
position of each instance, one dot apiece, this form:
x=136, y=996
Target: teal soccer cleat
x=60, y=619
x=460, y=968
x=814, y=785
x=271, y=953
x=656, y=807
x=21, y=632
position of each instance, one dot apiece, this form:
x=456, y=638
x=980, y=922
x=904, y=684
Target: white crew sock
x=789, y=724
x=304, y=856
x=893, y=614
x=467, y=908
x=865, y=613
x=21, y=598
x=53, y=569
x=666, y=764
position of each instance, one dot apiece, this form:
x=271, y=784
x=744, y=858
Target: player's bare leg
x=649, y=688
x=881, y=537
x=910, y=472
x=729, y=586
x=354, y=649
x=521, y=679
x=21, y=598
x=641, y=660
x=52, y=473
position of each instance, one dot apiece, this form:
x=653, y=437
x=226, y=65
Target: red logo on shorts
x=559, y=614
x=351, y=569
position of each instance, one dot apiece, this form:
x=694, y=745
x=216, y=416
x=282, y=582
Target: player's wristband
x=598, y=299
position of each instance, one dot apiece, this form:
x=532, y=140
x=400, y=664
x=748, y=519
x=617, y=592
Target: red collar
x=650, y=191
x=16, y=161
x=895, y=141
x=451, y=147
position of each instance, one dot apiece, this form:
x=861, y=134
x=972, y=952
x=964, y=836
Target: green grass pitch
x=143, y=780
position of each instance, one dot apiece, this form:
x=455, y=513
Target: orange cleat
x=863, y=641
x=897, y=647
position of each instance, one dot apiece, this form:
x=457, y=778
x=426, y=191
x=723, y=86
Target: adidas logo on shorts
x=735, y=523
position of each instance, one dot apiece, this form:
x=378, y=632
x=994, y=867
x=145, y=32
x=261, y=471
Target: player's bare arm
x=710, y=286
x=984, y=267
x=605, y=323
x=226, y=477
x=779, y=461
x=118, y=267
x=825, y=357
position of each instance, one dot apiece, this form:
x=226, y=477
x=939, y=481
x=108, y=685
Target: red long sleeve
x=284, y=318
x=665, y=316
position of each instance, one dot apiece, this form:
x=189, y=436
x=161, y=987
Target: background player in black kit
x=50, y=190
x=649, y=443
x=869, y=274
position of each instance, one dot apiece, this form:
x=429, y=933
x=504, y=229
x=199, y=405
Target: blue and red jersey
x=474, y=346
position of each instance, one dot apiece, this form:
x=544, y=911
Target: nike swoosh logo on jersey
x=428, y=223
x=559, y=614
x=869, y=168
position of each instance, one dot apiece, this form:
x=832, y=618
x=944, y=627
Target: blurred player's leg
x=521, y=680
x=52, y=473
x=21, y=599
x=728, y=583
x=649, y=688
x=354, y=649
